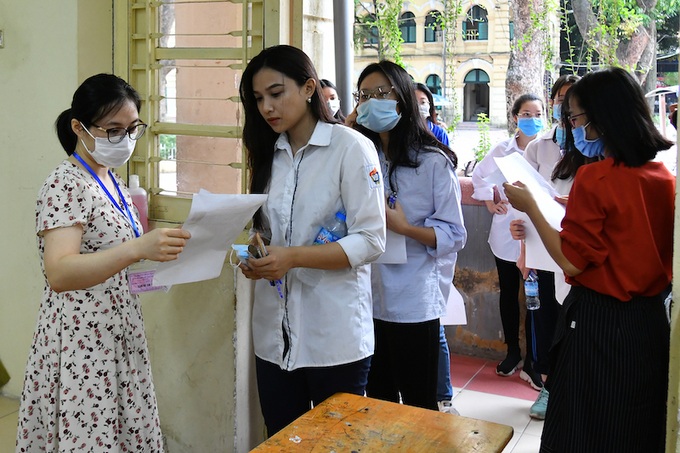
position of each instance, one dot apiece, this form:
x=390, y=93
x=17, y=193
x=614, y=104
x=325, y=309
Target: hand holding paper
x=528, y=189
x=215, y=221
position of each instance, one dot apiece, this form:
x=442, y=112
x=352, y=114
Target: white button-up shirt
x=325, y=318
x=483, y=180
x=417, y=291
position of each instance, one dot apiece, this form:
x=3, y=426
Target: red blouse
x=618, y=228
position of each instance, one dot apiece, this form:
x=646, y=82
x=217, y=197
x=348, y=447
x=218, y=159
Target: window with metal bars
x=185, y=57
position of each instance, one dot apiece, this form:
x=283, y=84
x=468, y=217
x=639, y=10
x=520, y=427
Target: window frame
x=407, y=27
x=136, y=56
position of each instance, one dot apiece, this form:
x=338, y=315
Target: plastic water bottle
x=333, y=232
x=531, y=291
x=141, y=201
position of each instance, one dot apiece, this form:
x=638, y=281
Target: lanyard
x=120, y=194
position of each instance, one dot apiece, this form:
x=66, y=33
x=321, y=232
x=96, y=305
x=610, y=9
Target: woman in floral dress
x=88, y=384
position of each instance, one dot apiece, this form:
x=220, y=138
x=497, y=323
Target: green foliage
x=168, y=146
x=484, y=144
x=539, y=24
x=449, y=23
x=385, y=18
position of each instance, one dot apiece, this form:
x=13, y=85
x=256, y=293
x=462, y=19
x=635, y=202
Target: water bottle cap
x=340, y=215
x=134, y=181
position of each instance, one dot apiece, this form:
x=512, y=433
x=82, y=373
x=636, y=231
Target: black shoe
x=531, y=376
x=508, y=366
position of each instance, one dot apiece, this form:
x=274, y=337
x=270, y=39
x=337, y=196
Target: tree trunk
x=637, y=54
x=526, y=68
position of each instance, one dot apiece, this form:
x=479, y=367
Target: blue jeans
x=444, y=388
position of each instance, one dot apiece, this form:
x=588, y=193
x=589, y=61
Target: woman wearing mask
x=332, y=99
x=88, y=383
x=315, y=338
x=427, y=110
x=609, y=383
x=543, y=153
x=527, y=111
x=424, y=206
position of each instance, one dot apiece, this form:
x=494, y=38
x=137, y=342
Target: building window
x=433, y=27
x=477, y=76
x=186, y=61
x=367, y=32
x=407, y=25
x=434, y=83
x=476, y=25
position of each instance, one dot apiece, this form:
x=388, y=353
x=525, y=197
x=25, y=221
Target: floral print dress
x=88, y=384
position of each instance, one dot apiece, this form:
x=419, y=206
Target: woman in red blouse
x=610, y=379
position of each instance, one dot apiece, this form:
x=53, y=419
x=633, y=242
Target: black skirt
x=609, y=384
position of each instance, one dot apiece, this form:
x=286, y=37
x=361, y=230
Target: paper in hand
x=515, y=168
x=215, y=221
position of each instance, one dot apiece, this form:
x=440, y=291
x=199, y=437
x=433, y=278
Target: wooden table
x=351, y=423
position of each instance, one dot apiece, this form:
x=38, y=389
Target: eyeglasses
x=117, y=134
x=529, y=115
x=379, y=93
x=572, y=118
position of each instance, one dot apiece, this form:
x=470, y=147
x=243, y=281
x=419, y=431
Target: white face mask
x=333, y=105
x=107, y=154
x=424, y=109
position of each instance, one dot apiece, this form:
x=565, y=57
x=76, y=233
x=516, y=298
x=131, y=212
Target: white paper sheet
x=395, y=249
x=515, y=168
x=455, y=310
x=215, y=221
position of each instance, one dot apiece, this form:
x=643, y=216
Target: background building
x=470, y=77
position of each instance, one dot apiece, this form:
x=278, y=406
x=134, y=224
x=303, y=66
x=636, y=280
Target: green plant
x=449, y=23
x=385, y=18
x=168, y=146
x=484, y=144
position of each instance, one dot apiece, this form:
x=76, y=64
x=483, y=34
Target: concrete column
x=343, y=20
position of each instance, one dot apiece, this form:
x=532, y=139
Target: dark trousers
x=405, y=362
x=509, y=278
x=285, y=395
x=544, y=322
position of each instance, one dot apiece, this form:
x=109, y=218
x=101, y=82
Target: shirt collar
x=320, y=137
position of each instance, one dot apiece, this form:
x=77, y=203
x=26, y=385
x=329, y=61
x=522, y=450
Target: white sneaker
x=447, y=407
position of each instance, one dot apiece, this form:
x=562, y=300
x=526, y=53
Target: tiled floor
x=478, y=393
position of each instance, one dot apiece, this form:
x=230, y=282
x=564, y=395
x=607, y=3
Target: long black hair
x=411, y=132
x=615, y=105
x=258, y=136
x=97, y=97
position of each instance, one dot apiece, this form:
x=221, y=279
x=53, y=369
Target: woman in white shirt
x=316, y=338
x=527, y=111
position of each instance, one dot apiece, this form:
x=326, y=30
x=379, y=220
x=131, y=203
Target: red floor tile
x=471, y=373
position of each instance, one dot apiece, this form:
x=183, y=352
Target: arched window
x=434, y=83
x=476, y=25
x=407, y=25
x=433, y=27
x=477, y=76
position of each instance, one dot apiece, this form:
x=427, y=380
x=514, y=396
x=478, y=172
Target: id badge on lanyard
x=140, y=275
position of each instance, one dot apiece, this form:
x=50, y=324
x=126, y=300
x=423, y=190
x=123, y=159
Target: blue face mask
x=530, y=126
x=560, y=138
x=557, y=111
x=589, y=148
x=378, y=115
